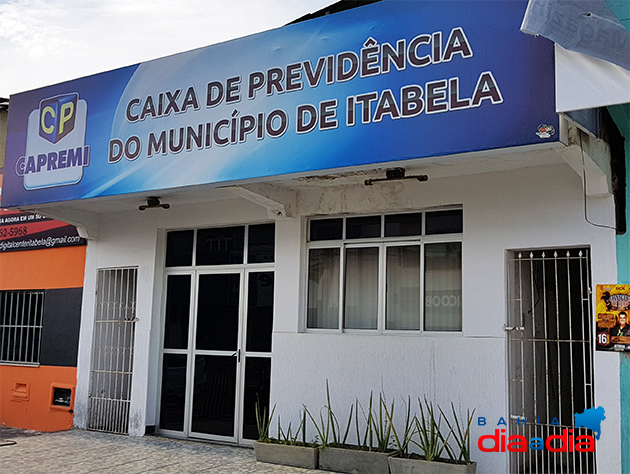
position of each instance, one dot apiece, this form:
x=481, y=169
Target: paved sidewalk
x=79, y=451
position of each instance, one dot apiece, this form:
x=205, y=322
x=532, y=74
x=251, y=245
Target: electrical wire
x=584, y=190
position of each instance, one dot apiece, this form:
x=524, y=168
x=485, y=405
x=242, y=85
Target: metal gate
x=21, y=317
x=112, y=350
x=550, y=356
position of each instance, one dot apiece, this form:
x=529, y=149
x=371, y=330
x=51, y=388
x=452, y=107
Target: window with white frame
x=389, y=272
x=21, y=314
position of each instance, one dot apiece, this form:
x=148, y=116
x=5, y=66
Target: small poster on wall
x=613, y=325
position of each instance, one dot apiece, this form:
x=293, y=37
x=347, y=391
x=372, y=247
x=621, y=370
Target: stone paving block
x=88, y=452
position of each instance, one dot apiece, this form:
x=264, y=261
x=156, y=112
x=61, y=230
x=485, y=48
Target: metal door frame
x=193, y=352
x=243, y=270
x=523, y=340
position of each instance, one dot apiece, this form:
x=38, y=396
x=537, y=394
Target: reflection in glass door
x=216, y=362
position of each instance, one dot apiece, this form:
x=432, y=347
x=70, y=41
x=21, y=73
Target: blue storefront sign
x=390, y=81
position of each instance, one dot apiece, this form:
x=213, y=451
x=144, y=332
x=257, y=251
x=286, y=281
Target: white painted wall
x=528, y=208
x=524, y=208
x=132, y=239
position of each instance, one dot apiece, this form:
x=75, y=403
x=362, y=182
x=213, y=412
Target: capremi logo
x=568, y=441
x=56, y=152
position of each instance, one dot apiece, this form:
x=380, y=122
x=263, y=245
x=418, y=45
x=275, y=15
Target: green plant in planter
x=367, y=457
x=430, y=437
x=323, y=427
x=382, y=425
x=290, y=438
x=403, y=440
x=337, y=440
x=376, y=436
x=461, y=435
x=433, y=438
x=263, y=423
x=366, y=441
x=286, y=448
x=328, y=426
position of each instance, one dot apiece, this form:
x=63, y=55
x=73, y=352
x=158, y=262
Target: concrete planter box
x=421, y=466
x=297, y=456
x=353, y=461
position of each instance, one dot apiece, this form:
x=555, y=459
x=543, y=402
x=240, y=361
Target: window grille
x=550, y=355
x=21, y=317
x=112, y=350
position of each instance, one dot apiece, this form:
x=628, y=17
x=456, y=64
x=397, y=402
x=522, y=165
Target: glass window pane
x=444, y=222
x=403, y=288
x=363, y=227
x=323, y=289
x=177, y=312
x=260, y=312
x=217, y=312
x=179, y=248
x=220, y=246
x=400, y=225
x=443, y=287
x=214, y=397
x=361, y=288
x=173, y=399
x=261, y=243
x=326, y=229
x=257, y=383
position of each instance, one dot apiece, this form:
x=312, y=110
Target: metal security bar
x=112, y=351
x=21, y=315
x=550, y=356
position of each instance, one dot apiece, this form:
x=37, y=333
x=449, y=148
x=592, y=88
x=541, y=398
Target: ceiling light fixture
x=394, y=174
x=152, y=203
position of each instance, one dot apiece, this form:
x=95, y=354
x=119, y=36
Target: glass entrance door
x=216, y=354
x=217, y=350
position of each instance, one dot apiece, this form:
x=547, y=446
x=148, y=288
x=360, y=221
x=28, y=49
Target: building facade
x=383, y=201
x=41, y=288
x=42, y=265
